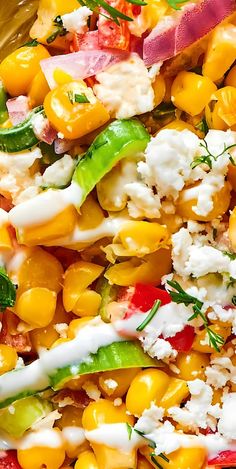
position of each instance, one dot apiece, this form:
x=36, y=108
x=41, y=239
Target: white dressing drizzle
x=44, y=438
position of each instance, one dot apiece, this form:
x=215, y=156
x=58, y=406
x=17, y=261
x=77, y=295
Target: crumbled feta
x=15, y=175
x=220, y=371
x=61, y=329
x=227, y=421
x=92, y=390
x=47, y=422
x=196, y=410
x=125, y=88
x=150, y=419
x=117, y=402
x=76, y=21
x=59, y=174
x=143, y=202
x=158, y=348
x=111, y=384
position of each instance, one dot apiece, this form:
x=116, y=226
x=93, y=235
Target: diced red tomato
x=142, y=297
x=5, y=204
x=87, y=41
x=110, y=34
x=10, y=336
x=8, y=460
x=224, y=459
x=183, y=340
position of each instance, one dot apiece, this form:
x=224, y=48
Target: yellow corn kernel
x=192, y=365
x=76, y=279
x=116, y=383
x=91, y=214
x=5, y=239
x=143, y=463
x=38, y=90
x=220, y=111
x=76, y=383
x=87, y=304
x=38, y=457
x=154, y=11
x=183, y=458
x=221, y=52
x=8, y=358
x=86, y=460
x=103, y=412
x=149, y=269
x=70, y=417
x=201, y=342
x=36, y=306
x=60, y=341
x=40, y=269
x=232, y=228
x=48, y=10
x=172, y=221
x=61, y=225
x=217, y=396
x=191, y=92
x=151, y=384
x=230, y=80
x=110, y=190
x=178, y=124
x=75, y=326
x=176, y=392
x=159, y=88
x=143, y=237
x=61, y=77
x=188, y=199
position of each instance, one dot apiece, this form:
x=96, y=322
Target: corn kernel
x=75, y=326
x=86, y=460
x=159, y=88
x=192, y=365
x=201, y=342
x=191, y=92
x=116, y=383
x=183, y=458
x=5, y=239
x=142, y=237
x=178, y=124
x=38, y=90
x=231, y=77
x=38, y=457
x=176, y=392
x=8, y=358
x=151, y=384
x=77, y=278
x=221, y=52
x=36, y=306
x=87, y=304
x=220, y=111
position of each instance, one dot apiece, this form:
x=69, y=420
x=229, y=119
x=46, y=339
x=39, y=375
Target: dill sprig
x=77, y=98
x=7, y=291
x=208, y=158
x=59, y=31
x=175, y=4
x=180, y=296
x=113, y=13
x=231, y=255
x=150, y=315
x=153, y=445
x=129, y=430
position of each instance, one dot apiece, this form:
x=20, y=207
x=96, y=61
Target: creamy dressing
x=34, y=377
x=44, y=206
x=74, y=436
x=115, y=435
x=43, y=438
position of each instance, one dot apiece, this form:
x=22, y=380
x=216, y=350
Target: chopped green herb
x=163, y=456
x=59, y=31
x=129, y=430
x=153, y=458
x=202, y=126
x=151, y=443
x=114, y=14
x=175, y=3
x=214, y=233
x=77, y=98
x=149, y=317
x=231, y=282
x=231, y=255
x=7, y=291
x=180, y=296
x=234, y=300
x=163, y=110
x=209, y=157
x=33, y=43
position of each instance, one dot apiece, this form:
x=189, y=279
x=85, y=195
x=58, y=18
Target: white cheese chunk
x=76, y=21
x=59, y=173
x=227, y=421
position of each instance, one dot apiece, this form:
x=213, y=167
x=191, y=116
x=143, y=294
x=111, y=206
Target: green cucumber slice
x=21, y=415
x=21, y=136
x=3, y=107
x=108, y=293
x=115, y=356
x=122, y=138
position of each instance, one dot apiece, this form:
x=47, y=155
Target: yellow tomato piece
x=71, y=118
x=187, y=200
x=19, y=68
x=159, y=88
x=61, y=225
x=221, y=52
x=8, y=358
x=201, y=342
x=38, y=90
x=48, y=10
x=38, y=457
x=77, y=278
x=192, y=365
x=151, y=384
x=191, y=92
x=149, y=269
x=61, y=77
x=36, y=306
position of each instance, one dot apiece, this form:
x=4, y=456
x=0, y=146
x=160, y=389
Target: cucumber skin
x=122, y=138
x=20, y=137
x=119, y=355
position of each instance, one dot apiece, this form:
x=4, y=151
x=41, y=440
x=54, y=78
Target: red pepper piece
x=110, y=34
x=224, y=459
x=8, y=460
x=183, y=340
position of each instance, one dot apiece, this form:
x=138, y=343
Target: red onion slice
x=18, y=109
x=187, y=26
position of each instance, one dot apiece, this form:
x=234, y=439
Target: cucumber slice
x=115, y=356
x=3, y=107
x=21, y=136
x=21, y=415
x=122, y=138
x=108, y=293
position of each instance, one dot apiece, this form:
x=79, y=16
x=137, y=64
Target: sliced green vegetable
x=108, y=293
x=7, y=291
x=3, y=107
x=21, y=415
x=21, y=136
x=122, y=138
x=116, y=356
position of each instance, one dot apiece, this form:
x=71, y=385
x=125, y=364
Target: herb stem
x=150, y=316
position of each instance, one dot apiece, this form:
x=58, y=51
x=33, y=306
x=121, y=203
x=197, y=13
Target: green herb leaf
x=175, y=3
x=234, y=300
x=33, y=43
x=137, y=2
x=129, y=430
x=7, y=291
x=214, y=233
x=153, y=458
x=180, y=296
x=231, y=255
x=151, y=443
x=209, y=157
x=202, y=126
x=163, y=456
x=77, y=98
x=149, y=317
x=114, y=14
x=231, y=282
x=60, y=31
x=163, y=110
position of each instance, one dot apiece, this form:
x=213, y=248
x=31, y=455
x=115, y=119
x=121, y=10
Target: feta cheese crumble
x=76, y=21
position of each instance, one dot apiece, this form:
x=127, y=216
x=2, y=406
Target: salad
x=118, y=236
